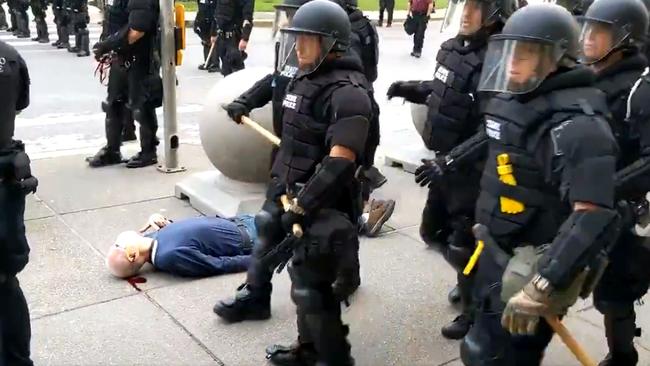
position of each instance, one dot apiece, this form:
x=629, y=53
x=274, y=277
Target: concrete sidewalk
x=83, y=316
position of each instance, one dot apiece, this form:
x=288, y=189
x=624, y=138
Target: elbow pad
x=580, y=239
x=325, y=185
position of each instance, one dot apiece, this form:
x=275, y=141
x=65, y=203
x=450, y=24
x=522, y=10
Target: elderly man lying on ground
x=195, y=247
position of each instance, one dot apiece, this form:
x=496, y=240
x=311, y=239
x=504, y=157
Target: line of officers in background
x=70, y=16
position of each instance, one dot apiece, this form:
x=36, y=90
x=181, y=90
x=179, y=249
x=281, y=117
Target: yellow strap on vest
x=505, y=171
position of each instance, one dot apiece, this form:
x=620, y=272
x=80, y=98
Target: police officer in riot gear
x=19, y=11
x=39, y=8
x=132, y=45
x=202, y=28
x=233, y=23
x=548, y=142
x=78, y=14
x=16, y=182
x=326, y=114
x=612, y=39
x=61, y=20
x=453, y=116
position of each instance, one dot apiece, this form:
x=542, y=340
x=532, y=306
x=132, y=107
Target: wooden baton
x=571, y=343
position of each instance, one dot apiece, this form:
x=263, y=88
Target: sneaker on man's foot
x=380, y=212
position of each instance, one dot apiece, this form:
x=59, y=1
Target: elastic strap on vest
x=636, y=85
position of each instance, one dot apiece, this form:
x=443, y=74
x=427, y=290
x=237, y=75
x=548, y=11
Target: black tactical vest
x=117, y=15
x=365, y=43
x=521, y=199
x=616, y=87
x=305, y=123
x=225, y=14
x=452, y=111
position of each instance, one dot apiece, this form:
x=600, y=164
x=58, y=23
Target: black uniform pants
x=64, y=25
x=39, y=8
x=145, y=95
x=389, y=6
x=228, y=50
x=625, y=280
x=488, y=343
x=271, y=234
x=421, y=20
x=118, y=114
x=19, y=9
x=313, y=270
x=11, y=4
x=79, y=25
x=15, y=328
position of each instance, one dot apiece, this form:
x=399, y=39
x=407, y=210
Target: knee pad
x=332, y=231
x=307, y=300
x=268, y=225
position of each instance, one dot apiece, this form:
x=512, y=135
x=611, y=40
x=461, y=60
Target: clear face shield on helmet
x=517, y=66
x=283, y=16
x=468, y=16
x=599, y=38
x=301, y=52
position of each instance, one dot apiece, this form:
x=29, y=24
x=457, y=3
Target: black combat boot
x=142, y=159
x=84, y=45
x=297, y=354
x=105, y=157
x=458, y=327
x=128, y=134
x=620, y=330
x=249, y=303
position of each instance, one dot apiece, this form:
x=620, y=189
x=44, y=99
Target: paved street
x=82, y=316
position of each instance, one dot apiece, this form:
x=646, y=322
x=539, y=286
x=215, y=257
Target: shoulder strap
x=628, y=114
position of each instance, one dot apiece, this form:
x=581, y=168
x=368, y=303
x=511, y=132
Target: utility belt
x=226, y=34
x=247, y=242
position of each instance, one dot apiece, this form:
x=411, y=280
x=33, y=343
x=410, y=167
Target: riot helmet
x=534, y=42
x=470, y=16
x=318, y=28
x=612, y=25
x=284, y=13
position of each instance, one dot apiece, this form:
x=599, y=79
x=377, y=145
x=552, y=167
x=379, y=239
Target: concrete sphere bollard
x=419, y=116
x=237, y=151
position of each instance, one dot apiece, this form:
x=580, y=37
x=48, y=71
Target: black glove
x=430, y=171
x=236, y=110
x=99, y=50
x=395, y=90
x=290, y=218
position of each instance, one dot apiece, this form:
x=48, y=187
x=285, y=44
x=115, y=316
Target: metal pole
x=168, y=59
